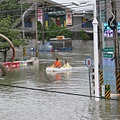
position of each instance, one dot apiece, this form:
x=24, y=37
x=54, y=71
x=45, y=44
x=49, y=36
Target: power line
x=65, y=28
x=57, y=92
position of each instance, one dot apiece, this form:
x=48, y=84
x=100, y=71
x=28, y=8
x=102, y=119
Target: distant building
x=54, y=12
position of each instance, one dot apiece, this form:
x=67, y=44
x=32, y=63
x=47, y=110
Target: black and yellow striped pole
x=101, y=79
x=118, y=81
x=107, y=91
x=24, y=53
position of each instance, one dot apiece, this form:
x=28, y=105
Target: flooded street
x=31, y=93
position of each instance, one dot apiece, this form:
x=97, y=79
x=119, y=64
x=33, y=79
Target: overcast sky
x=86, y=7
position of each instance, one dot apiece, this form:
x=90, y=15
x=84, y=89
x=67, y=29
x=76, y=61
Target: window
x=28, y=23
x=86, y=23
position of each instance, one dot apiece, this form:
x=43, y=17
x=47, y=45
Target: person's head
x=65, y=61
x=56, y=59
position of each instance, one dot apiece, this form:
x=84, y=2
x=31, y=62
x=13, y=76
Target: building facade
x=60, y=15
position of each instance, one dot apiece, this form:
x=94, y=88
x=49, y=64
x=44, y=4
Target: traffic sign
x=108, y=49
x=88, y=62
x=105, y=55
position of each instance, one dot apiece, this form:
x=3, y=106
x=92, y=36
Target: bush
x=53, y=31
x=84, y=35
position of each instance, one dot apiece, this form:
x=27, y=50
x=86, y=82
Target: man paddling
x=57, y=64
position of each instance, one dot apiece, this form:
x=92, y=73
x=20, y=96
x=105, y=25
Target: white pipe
x=3, y=69
x=11, y=45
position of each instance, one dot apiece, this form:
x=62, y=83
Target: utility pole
x=36, y=19
x=116, y=46
x=43, y=23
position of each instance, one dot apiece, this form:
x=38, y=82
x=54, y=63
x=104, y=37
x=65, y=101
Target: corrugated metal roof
x=84, y=5
x=68, y=4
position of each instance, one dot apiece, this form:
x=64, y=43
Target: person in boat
x=66, y=64
x=57, y=64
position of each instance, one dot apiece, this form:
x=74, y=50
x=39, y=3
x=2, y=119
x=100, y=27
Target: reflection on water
x=59, y=75
x=35, y=104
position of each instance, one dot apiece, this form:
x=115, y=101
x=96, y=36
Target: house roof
x=84, y=5
x=87, y=5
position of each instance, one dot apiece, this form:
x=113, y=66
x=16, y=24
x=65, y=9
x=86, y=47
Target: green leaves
x=84, y=35
x=13, y=35
x=53, y=31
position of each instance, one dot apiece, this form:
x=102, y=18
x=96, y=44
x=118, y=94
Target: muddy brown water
x=34, y=94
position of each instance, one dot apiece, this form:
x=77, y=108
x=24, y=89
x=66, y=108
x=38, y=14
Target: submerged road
x=31, y=93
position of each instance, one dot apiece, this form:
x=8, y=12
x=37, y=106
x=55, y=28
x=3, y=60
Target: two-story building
x=62, y=14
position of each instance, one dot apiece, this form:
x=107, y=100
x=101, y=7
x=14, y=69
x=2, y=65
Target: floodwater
x=31, y=93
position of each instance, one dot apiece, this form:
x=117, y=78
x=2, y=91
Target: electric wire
x=39, y=7
x=6, y=11
x=57, y=92
x=65, y=28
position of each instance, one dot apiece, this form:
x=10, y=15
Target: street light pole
x=95, y=34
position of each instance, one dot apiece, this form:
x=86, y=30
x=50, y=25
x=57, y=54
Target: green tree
x=53, y=31
x=13, y=35
x=12, y=8
x=84, y=35
x=39, y=28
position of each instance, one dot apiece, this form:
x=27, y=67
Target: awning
x=56, y=13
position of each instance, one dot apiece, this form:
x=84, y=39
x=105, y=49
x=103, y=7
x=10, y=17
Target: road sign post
x=88, y=63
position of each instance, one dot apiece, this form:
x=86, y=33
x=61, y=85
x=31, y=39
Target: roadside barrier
x=107, y=91
x=14, y=64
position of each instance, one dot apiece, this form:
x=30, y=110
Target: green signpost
x=106, y=55
x=108, y=49
x=108, y=52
